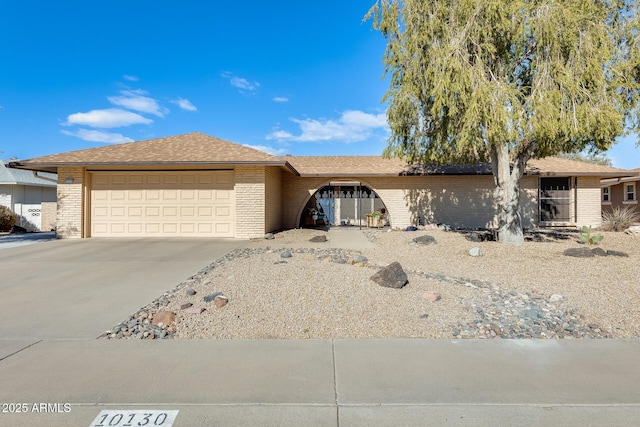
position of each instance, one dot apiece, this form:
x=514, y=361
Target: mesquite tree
x=506, y=81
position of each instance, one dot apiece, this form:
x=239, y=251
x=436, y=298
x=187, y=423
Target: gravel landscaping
x=527, y=291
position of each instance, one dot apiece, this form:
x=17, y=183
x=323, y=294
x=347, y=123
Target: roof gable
x=189, y=148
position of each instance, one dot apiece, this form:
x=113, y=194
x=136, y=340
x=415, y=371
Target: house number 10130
x=112, y=418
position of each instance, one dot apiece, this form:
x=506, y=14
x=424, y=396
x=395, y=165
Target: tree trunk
x=507, y=195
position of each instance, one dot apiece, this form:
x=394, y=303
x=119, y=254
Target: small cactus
x=588, y=238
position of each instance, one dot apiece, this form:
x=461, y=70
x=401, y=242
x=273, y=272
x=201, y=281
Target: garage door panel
x=170, y=195
x=205, y=211
x=135, y=227
x=222, y=228
x=136, y=195
x=170, y=212
x=162, y=204
x=205, y=195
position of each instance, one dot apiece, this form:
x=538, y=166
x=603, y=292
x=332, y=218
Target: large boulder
x=164, y=317
x=392, y=276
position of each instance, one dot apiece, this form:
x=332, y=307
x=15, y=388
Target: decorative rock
x=164, y=317
x=444, y=227
x=361, y=258
x=392, y=276
x=599, y=252
x=221, y=301
x=634, y=230
x=473, y=237
x=317, y=239
x=425, y=240
x=556, y=298
x=432, y=296
x=285, y=254
x=185, y=305
x=475, y=251
x=411, y=228
x=269, y=236
x=212, y=296
x=194, y=310
x=583, y=252
x=191, y=292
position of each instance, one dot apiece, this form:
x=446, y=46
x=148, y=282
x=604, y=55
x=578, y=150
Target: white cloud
x=98, y=136
x=185, y=104
x=130, y=78
x=108, y=118
x=268, y=150
x=280, y=134
x=352, y=126
x=135, y=100
x=280, y=99
x=240, y=82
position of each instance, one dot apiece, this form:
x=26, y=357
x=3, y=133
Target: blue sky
x=288, y=77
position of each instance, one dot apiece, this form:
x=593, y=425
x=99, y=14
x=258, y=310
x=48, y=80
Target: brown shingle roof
x=376, y=165
x=200, y=149
x=191, y=148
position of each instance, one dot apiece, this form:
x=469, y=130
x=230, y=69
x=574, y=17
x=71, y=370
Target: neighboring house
x=198, y=185
x=31, y=195
x=621, y=192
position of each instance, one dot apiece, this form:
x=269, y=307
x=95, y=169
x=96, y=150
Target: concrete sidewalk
x=330, y=382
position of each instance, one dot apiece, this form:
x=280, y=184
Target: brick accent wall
x=273, y=202
x=460, y=201
x=589, y=210
x=250, y=201
x=70, y=217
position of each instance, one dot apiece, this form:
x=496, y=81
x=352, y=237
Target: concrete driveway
x=80, y=288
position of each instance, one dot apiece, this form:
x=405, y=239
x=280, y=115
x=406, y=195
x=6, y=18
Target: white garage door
x=162, y=204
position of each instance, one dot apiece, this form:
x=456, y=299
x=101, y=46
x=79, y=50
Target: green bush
x=7, y=219
x=619, y=219
x=587, y=237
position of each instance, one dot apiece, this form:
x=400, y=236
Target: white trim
x=625, y=193
x=602, y=194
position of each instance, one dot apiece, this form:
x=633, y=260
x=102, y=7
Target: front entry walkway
x=349, y=238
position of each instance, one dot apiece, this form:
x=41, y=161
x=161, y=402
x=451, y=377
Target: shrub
x=7, y=219
x=587, y=237
x=619, y=219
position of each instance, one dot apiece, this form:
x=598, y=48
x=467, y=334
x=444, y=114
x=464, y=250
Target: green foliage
x=505, y=81
x=587, y=237
x=619, y=219
x=542, y=77
x=7, y=219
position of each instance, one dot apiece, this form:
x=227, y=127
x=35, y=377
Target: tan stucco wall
x=273, y=203
x=250, y=201
x=49, y=216
x=460, y=201
x=589, y=204
x=70, y=203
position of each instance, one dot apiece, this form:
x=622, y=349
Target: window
x=555, y=200
x=630, y=192
x=606, y=195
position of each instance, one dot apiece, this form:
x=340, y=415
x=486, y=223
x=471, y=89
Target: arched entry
x=343, y=203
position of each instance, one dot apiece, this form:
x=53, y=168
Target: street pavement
x=58, y=296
